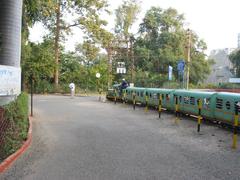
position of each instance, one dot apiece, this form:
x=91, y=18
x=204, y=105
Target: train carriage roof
x=135, y=88
x=228, y=95
x=194, y=93
x=159, y=90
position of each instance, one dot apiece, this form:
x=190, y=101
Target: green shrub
x=16, y=116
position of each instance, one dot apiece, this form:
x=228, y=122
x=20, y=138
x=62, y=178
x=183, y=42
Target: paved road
x=84, y=139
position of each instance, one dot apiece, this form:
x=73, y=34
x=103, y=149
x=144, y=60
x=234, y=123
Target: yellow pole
x=234, y=145
x=134, y=100
x=115, y=96
x=146, y=99
x=176, y=110
x=124, y=97
x=199, y=114
x=160, y=106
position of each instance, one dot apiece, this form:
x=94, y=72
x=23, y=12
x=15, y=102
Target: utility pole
x=132, y=59
x=56, y=43
x=188, y=57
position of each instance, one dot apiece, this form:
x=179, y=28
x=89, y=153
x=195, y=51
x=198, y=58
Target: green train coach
x=221, y=107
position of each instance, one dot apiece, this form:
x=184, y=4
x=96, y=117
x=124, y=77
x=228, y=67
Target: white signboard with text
x=10, y=80
x=234, y=80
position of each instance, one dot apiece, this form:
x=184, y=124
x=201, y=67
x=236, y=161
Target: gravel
x=85, y=139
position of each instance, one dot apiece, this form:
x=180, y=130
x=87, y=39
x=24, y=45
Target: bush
x=16, y=119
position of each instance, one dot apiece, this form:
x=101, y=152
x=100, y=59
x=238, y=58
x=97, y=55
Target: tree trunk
x=109, y=53
x=56, y=48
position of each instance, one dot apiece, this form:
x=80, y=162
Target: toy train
x=217, y=106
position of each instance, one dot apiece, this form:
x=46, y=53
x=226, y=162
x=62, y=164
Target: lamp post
x=98, y=75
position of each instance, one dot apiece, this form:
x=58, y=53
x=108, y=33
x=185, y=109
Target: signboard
x=170, y=68
x=10, y=80
x=180, y=68
x=181, y=65
x=234, y=80
x=121, y=69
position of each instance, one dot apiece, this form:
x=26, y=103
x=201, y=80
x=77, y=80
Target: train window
x=146, y=93
x=141, y=94
x=206, y=102
x=237, y=106
x=150, y=95
x=138, y=93
x=219, y=103
x=155, y=96
x=167, y=97
x=180, y=99
x=186, y=100
x=162, y=96
x=228, y=105
x=192, y=100
x=158, y=95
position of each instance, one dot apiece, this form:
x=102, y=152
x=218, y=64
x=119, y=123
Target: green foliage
x=39, y=62
x=16, y=115
x=163, y=42
x=235, y=59
x=126, y=15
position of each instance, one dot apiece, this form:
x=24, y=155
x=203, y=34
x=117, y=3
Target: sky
x=217, y=22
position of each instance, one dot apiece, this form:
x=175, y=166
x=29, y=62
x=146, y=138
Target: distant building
x=238, y=40
x=221, y=71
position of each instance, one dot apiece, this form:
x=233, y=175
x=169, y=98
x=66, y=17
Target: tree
x=163, y=41
x=87, y=18
x=126, y=15
x=39, y=62
x=235, y=59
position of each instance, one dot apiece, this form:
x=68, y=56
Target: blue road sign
x=181, y=65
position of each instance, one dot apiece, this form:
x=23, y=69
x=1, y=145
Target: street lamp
x=98, y=75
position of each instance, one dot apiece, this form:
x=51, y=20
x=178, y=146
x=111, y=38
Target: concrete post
x=10, y=32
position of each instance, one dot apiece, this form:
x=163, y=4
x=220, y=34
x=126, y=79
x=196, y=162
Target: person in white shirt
x=72, y=89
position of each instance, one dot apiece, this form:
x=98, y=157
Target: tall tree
x=54, y=15
x=163, y=42
x=126, y=16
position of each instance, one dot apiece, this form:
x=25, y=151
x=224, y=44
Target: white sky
x=215, y=21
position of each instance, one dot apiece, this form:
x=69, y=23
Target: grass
x=16, y=117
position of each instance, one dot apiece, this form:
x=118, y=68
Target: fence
x=4, y=125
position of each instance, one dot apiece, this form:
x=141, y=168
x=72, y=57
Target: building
x=221, y=71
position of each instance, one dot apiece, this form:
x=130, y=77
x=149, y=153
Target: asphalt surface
x=84, y=139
